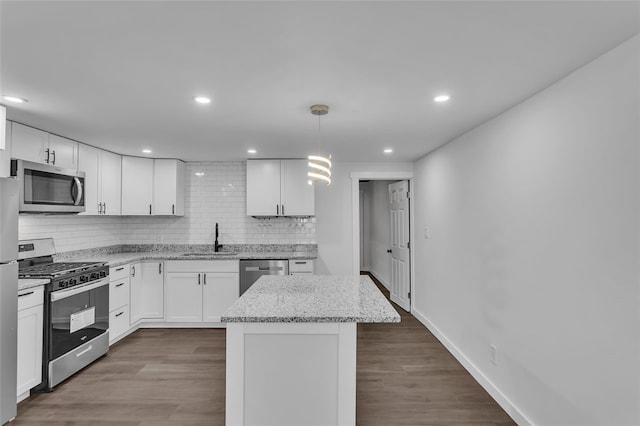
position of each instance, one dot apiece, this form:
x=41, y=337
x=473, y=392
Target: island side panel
x=291, y=374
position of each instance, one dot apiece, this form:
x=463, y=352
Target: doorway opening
x=382, y=214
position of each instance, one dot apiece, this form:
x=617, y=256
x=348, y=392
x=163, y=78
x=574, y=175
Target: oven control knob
x=103, y=274
x=83, y=278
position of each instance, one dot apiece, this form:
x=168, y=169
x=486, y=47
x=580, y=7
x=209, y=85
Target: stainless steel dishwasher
x=251, y=270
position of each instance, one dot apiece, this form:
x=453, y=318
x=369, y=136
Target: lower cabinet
x=147, y=291
x=301, y=267
x=119, y=296
x=200, y=291
x=30, y=329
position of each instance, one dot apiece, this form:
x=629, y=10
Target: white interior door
x=400, y=275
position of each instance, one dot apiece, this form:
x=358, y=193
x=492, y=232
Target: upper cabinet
x=152, y=187
x=168, y=187
x=38, y=146
x=137, y=186
x=279, y=188
x=102, y=180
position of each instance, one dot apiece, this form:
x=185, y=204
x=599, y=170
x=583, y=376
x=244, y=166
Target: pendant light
x=319, y=165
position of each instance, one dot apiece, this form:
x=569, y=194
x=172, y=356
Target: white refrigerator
x=8, y=297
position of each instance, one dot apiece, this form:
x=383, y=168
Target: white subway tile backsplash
x=218, y=196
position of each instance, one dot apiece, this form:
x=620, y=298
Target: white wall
x=380, y=239
x=534, y=235
x=218, y=196
x=334, y=225
x=365, y=226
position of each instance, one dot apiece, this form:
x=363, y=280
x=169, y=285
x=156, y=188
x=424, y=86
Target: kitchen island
x=291, y=349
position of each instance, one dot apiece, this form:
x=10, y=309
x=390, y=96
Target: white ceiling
x=121, y=75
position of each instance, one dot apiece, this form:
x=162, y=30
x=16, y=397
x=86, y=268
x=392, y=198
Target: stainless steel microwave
x=48, y=189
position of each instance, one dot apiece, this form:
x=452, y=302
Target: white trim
x=365, y=269
x=376, y=275
x=513, y=411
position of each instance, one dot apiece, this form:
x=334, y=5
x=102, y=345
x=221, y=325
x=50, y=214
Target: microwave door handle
x=79, y=186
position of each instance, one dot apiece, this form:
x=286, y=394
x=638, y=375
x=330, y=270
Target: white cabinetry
x=152, y=187
x=5, y=147
x=200, y=291
x=301, y=267
x=30, y=317
x=279, y=188
x=147, y=291
x=102, y=180
x=168, y=187
x=36, y=145
x=137, y=185
x=119, y=288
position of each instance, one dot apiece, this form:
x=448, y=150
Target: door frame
x=355, y=214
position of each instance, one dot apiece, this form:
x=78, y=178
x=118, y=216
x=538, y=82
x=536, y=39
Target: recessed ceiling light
x=199, y=174
x=146, y=151
x=202, y=99
x=251, y=151
x=441, y=98
x=388, y=150
x=14, y=99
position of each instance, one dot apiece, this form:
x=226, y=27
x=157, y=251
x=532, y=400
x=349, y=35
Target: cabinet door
x=5, y=152
x=152, y=304
x=136, y=292
x=263, y=187
x=184, y=297
x=118, y=323
x=110, y=183
x=29, y=348
x=63, y=152
x=168, y=187
x=28, y=143
x=88, y=162
x=137, y=185
x=220, y=290
x=298, y=197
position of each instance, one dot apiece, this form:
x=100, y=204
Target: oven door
x=77, y=316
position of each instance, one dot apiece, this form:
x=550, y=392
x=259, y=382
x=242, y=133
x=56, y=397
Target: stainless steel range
x=76, y=310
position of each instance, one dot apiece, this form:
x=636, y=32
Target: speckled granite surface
x=25, y=284
x=120, y=255
x=312, y=298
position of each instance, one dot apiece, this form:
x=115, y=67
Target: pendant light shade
x=319, y=165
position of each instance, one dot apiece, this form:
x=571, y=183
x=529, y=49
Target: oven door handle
x=63, y=294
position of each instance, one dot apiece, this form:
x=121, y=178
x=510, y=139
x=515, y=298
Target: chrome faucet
x=216, y=245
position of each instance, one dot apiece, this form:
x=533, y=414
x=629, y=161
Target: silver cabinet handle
x=133, y=271
x=104, y=208
x=173, y=209
x=117, y=315
x=149, y=208
x=283, y=210
x=159, y=268
x=205, y=278
x=53, y=153
x=119, y=285
x=198, y=279
x=119, y=269
x=25, y=294
x=48, y=154
x=278, y=209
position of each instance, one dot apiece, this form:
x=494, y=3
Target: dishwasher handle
x=263, y=268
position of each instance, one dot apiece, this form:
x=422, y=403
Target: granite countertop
x=117, y=259
x=24, y=284
x=312, y=298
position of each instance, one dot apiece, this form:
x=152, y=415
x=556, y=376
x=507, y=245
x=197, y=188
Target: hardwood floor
x=162, y=377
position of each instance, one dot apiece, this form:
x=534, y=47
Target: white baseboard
x=386, y=284
x=502, y=400
x=364, y=269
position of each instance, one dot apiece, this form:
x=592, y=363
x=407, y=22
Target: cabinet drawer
x=30, y=297
x=118, y=322
x=202, y=266
x=118, y=272
x=301, y=265
x=118, y=293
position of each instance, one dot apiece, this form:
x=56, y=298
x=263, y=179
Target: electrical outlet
x=493, y=352
x=426, y=233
